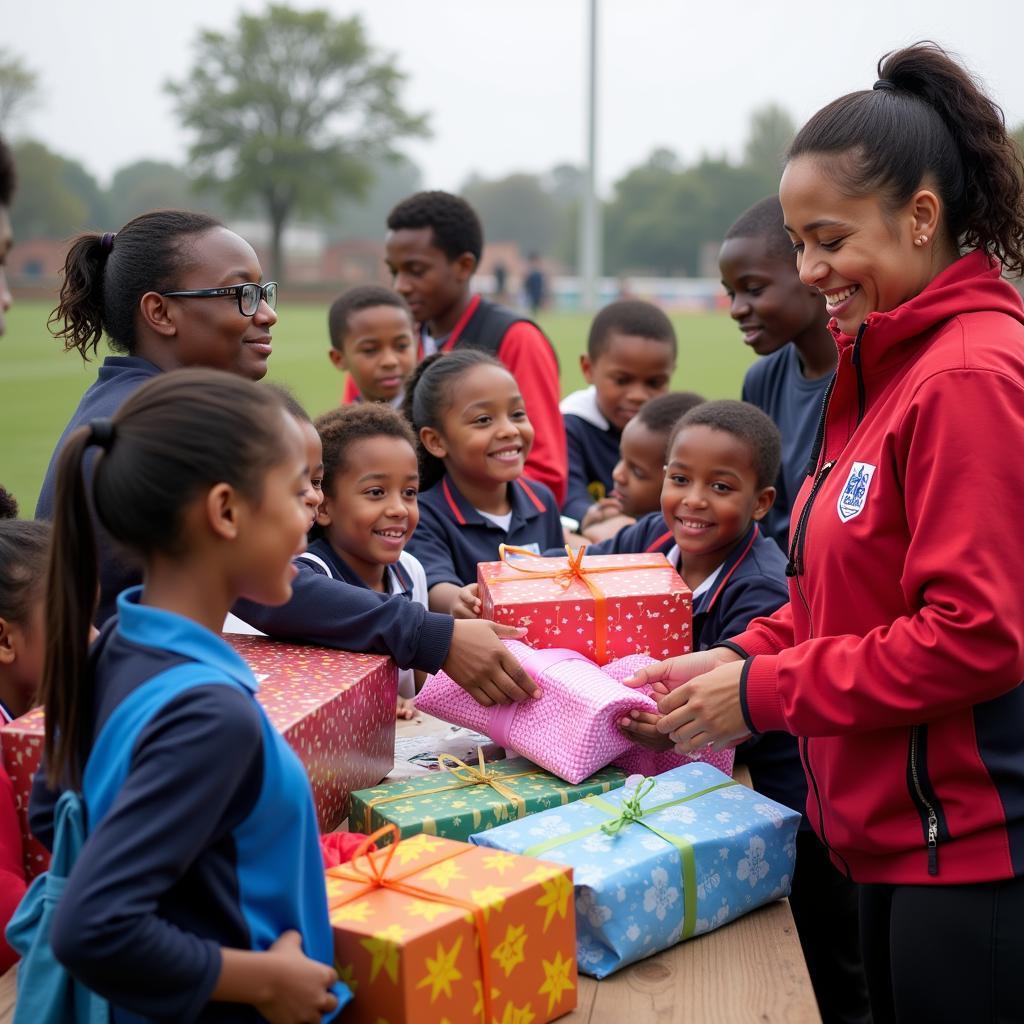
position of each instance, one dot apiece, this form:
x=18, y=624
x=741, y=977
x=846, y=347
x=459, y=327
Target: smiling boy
x=784, y=321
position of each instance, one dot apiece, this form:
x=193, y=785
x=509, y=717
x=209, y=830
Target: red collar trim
x=655, y=545
x=459, y=517
x=537, y=503
x=725, y=579
x=460, y=326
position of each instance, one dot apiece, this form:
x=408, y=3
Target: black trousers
x=941, y=953
x=825, y=910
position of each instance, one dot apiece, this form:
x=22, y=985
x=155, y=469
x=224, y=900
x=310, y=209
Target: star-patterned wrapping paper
x=416, y=805
x=336, y=709
x=631, y=887
x=21, y=746
x=410, y=960
x=647, y=610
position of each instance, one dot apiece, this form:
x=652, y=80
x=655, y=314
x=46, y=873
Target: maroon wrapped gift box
x=336, y=709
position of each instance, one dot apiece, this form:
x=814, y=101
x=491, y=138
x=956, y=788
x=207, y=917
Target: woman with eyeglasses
x=170, y=289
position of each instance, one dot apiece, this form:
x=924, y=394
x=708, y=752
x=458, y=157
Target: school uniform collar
x=155, y=627
x=583, y=404
x=5, y=713
x=525, y=502
x=398, y=579
x=113, y=366
x=707, y=593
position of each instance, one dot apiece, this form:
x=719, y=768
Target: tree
x=293, y=109
x=1018, y=136
x=516, y=209
x=393, y=180
x=46, y=206
x=148, y=185
x=19, y=87
x=771, y=133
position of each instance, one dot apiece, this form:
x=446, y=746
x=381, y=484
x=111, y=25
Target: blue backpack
x=47, y=993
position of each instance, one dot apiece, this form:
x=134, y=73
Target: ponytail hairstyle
x=106, y=275
x=928, y=120
x=429, y=393
x=180, y=434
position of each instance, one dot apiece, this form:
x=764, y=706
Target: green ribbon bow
x=632, y=812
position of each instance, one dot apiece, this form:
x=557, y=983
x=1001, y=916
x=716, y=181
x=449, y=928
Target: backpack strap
x=488, y=326
x=110, y=757
x=308, y=556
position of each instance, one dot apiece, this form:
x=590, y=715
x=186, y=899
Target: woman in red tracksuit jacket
x=899, y=658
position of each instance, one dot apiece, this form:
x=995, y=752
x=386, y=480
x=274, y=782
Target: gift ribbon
x=467, y=776
x=375, y=876
x=574, y=570
x=631, y=812
x=534, y=665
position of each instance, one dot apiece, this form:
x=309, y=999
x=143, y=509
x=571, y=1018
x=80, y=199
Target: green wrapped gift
x=463, y=800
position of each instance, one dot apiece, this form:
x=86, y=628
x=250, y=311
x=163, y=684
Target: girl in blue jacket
x=199, y=893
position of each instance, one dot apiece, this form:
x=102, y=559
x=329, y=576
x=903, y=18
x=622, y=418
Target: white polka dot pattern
x=647, y=611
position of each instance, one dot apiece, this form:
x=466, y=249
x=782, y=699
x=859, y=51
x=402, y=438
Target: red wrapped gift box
x=603, y=606
x=335, y=708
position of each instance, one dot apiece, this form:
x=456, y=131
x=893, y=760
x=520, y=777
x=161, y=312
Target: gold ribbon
x=467, y=776
x=574, y=570
x=375, y=876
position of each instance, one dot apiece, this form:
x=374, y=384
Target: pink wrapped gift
x=572, y=729
x=604, y=606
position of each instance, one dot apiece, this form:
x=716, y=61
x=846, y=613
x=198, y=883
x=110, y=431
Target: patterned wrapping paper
x=572, y=730
x=647, y=609
x=679, y=856
x=456, y=803
x=21, y=745
x=336, y=709
x=452, y=922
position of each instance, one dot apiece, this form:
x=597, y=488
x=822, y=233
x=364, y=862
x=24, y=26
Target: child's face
x=272, y=532
x=639, y=473
x=423, y=275
x=313, y=492
x=485, y=435
x=371, y=510
x=767, y=299
x=378, y=350
x=629, y=371
x=711, y=493
x=22, y=649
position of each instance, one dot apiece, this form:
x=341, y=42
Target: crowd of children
x=179, y=504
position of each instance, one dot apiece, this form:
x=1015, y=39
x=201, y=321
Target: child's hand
x=642, y=728
x=299, y=987
x=467, y=604
x=482, y=665
x=599, y=512
x=405, y=710
x=606, y=528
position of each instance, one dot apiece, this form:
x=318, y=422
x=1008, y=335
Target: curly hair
x=659, y=415
x=765, y=220
x=456, y=226
x=633, y=317
x=364, y=296
x=930, y=121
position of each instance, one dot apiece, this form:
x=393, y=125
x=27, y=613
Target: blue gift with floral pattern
x=660, y=861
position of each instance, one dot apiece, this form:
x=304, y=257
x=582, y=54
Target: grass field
x=40, y=385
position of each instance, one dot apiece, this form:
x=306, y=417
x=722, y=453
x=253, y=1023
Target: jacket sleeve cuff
x=749, y=644
x=759, y=695
x=435, y=641
x=734, y=647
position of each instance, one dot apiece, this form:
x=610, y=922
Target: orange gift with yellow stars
x=433, y=931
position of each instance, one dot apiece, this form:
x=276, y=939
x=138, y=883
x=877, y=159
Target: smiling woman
x=171, y=289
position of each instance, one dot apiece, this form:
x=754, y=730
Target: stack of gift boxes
x=492, y=884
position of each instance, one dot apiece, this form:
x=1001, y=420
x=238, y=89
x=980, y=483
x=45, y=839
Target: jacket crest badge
x=855, y=491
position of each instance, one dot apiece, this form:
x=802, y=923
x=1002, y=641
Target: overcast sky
x=503, y=80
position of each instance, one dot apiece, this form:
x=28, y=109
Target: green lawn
x=40, y=385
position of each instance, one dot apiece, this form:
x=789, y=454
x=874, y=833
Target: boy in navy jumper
x=630, y=358
x=721, y=461
x=784, y=321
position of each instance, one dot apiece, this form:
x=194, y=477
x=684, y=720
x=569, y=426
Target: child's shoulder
x=765, y=564
x=771, y=369
x=538, y=494
x=580, y=407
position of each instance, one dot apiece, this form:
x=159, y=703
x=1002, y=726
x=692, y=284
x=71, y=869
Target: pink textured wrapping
x=637, y=760
x=572, y=730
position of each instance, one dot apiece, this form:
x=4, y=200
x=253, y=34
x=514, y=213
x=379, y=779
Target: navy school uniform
x=751, y=582
x=593, y=445
x=117, y=379
x=341, y=613
x=210, y=839
x=453, y=537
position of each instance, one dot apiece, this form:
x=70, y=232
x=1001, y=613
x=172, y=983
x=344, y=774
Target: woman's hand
x=704, y=710
x=667, y=675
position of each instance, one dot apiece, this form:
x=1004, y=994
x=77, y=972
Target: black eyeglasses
x=249, y=296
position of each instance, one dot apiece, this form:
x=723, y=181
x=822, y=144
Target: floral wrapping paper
x=414, y=806
x=632, y=895
x=411, y=960
x=647, y=610
x=336, y=709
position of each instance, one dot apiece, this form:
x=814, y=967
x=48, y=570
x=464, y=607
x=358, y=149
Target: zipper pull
x=933, y=844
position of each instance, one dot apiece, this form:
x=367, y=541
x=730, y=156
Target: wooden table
x=752, y=970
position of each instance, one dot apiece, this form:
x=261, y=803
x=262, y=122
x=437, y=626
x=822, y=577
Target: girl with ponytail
x=170, y=289
x=200, y=883
x=899, y=659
